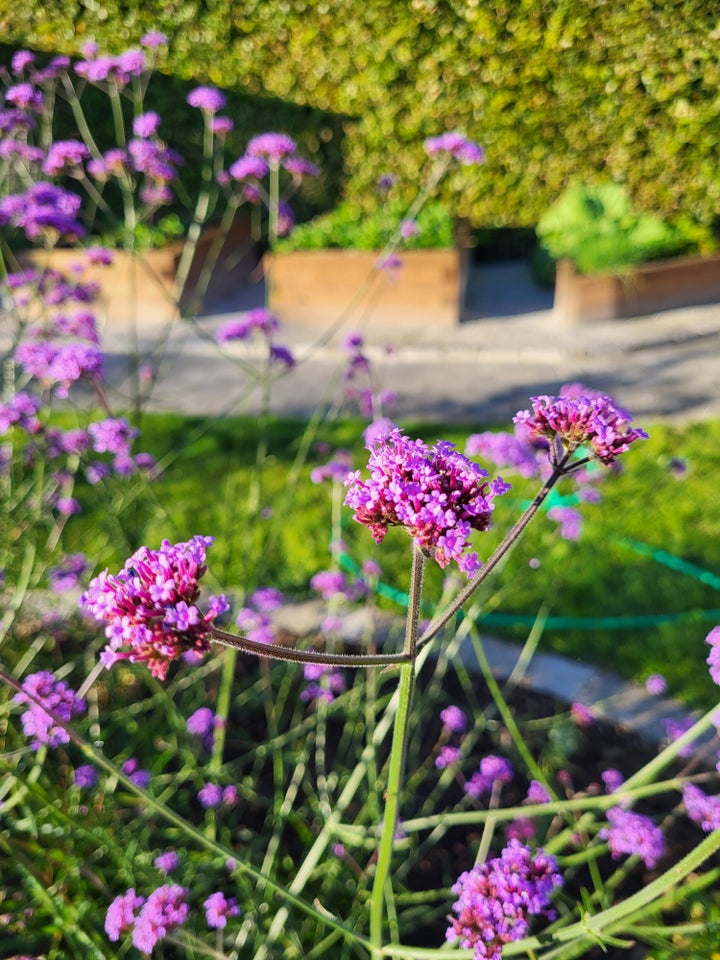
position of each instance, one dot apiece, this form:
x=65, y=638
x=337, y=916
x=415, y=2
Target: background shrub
x=555, y=92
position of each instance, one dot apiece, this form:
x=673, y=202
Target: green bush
x=597, y=228
x=349, y=226
x=555, y=92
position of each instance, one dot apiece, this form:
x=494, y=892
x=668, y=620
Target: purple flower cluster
x=202, y=723
x=115, y=71
x=55, y=695
x=612, y=779
x=453, y=720
x=537, y=793
x=43, y=210
x=273, y=147
x=265, y=152
x=149, y=607
x=59, y=364
x=361, y=387
x=135, y=774
x=656, y=684
x=165, y=910
x=167, y=862
x=436, y=494
x=211, y=795
x=498, y=898
x=336, y=469
x=585, y=420
x=492, y=770
x=209, y=99
x=633, y=833
x=218, y=908
x=254, y=619
x=514, y=450
x=85, y=776
x=701, y=808
x=257, y=321
x=455, y=145
x=570, y=521
x=330, y=584
x=448, y=756
x=324, y=682
x=713, y=660
x=66, y=576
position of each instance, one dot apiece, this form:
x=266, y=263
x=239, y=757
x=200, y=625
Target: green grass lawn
x=617, y=597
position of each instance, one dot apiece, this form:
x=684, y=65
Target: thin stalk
x=397, y=752
x=222, y=710
x=199, y=215
x=507, y=543
x=275, y=652
x=500, y=702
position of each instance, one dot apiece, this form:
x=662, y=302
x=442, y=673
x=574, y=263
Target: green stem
x=504, y=710
x=222, y=710
x=397, y=753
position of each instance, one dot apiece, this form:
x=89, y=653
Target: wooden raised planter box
x=648, y=288
x=317, y=287
x=141, y=286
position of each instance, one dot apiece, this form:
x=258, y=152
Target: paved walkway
x=481, y=371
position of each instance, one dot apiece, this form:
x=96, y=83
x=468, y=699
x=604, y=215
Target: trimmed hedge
x=555, y=91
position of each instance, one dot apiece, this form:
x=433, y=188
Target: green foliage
x=144, y=236
x=555, y=92
x=597, y=228
x=349, y=226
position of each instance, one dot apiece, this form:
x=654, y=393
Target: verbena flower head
x=497, y=899
x=121, y=913
x=210, y=795
x=582, y=714
x=43, y=210
x=218, y=908
x=323, y=682
x=274, y=147
x=209, y=99
x=56, y=696
x=656, y=684
x=153, y=39
x=85, y=776
x=537, y=793
x=248, y=166
x=492, y=770
x=454, y=719
x=149, y=606
x=163, y=911
x=167, y=861
x=633, y=833
x=66, y=576
x=457, y=146
x=713, y=660
x=612, y=779
x=590, y=420
x=447, y=756
x=436, y=494
x=701, y=808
